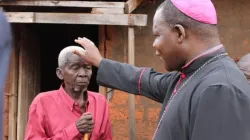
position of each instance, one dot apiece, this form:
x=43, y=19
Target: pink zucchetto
x=200, y=10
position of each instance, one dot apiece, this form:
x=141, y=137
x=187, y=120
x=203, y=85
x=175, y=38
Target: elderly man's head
x=72, y=70
x=244, y=65
x=176, y=33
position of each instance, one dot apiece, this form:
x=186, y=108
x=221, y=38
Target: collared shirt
x=53, y=114
x=213, y=105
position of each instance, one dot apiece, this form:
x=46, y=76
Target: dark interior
x=52, y=39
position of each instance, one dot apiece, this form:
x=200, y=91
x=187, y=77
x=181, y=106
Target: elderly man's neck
x=77, y=95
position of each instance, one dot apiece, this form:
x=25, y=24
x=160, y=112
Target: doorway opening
x=52, y=39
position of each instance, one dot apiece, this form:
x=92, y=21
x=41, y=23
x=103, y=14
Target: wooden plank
x=107, y=11
x=131, y=98
x=76, y=18
x=20, y=17
x=13, y=91
x=86, y=4
x=28, y=82
x=131, y=5
x=6, y=96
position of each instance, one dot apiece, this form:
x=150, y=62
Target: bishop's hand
x=91, y=55
x=85, y=123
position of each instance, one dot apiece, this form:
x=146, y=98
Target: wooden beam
x=90, y=4
x=77, y=18
x=131, y=5
x=131, y=97
x=107, y=11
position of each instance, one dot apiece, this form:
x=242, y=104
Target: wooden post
x=13, y=93
x=101, y=47
x=131, y=98
x=29, y=77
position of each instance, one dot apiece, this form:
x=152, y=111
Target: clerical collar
x=195, y=63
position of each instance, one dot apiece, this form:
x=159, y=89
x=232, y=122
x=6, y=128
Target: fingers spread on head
x=79, y=53
x=86, y=43
x=81, y=42
x=90, y=42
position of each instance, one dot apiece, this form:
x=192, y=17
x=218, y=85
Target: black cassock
x=214, y=104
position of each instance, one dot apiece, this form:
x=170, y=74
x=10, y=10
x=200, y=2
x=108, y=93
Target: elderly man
x=204, y=95
x=71, y=111
x=244, y=65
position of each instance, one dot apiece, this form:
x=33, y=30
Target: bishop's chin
x=171, y=68
x=167, y=68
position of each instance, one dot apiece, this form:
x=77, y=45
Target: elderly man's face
x=246, y=72
x=76, y=74
x=244, y=66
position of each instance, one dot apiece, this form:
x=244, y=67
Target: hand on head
x=91, y=55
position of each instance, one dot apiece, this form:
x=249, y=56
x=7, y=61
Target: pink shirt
x=52, y=116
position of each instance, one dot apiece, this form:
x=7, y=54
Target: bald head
x=173, y=16
x=244, y=65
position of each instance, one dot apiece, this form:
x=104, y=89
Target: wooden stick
x=131, y=97
x=86, y=137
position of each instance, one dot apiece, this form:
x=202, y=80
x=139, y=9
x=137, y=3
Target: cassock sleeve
x=128, y=78
x=36, y=126
x=222, y=113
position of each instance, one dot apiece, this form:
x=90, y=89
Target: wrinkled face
x=246, y=70
x=168, y=43
x=75, y=74
x=248, y=78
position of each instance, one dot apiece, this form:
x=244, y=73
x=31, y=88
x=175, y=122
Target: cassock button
x=183, y=76
x=175, y=91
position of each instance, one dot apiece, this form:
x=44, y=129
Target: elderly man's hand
x=85, y=123
x=91, y=55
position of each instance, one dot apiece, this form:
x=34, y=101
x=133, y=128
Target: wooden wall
x=23, y=81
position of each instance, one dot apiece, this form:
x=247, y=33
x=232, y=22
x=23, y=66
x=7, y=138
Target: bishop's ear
x=181, y=33
x=59, y=73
